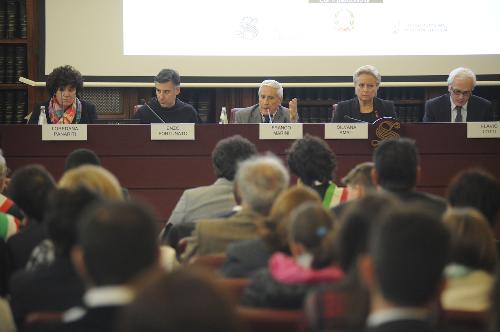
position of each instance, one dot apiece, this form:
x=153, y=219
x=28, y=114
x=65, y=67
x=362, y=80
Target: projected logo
x=248, y=28
x=344, y=20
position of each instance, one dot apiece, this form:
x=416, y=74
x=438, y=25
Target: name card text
x=280, y=131
x=172, y=132
x=346, y=131
x=64, y=132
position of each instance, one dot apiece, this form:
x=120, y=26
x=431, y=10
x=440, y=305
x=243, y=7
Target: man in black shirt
x=166, y=107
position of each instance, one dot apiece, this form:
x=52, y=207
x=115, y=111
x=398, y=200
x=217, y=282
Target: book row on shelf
x=13, y=22
x=12, y=63
x=13, y=106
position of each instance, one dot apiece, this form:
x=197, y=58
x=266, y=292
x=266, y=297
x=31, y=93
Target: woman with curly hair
x=314, y=163
x=64, y=107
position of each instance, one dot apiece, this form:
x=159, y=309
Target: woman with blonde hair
x=473, y=257
x=95, y=178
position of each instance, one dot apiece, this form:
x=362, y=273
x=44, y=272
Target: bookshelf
x=16, y=58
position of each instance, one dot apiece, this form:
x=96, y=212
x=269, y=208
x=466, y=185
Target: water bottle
x=223, y=116
x=42, y=118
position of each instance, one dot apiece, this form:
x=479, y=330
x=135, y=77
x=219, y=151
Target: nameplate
x=172, y=132
x=346, y=130
x=280, y=131
x=64, y=132
x=483, y=129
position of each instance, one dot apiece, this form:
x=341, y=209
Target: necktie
x=458, y=118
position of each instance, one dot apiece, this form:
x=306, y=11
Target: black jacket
x=348, y=110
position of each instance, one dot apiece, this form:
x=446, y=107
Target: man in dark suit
x=397, y=171
x=29, y=188
x=403, y=270
x=460, y=105
x=116, y=251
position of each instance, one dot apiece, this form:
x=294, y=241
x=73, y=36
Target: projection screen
x=272, y=38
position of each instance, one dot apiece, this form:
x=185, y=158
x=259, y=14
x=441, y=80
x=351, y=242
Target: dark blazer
x=245, y=257
x=89, y=113
x=56, y=287
x=439, y=109
x=20, y=245
x=350, y=108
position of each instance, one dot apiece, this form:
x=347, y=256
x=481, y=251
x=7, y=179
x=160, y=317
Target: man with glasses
x=460, y=105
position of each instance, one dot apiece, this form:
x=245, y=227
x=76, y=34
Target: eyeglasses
x=457, y=93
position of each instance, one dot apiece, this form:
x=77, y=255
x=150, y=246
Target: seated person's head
x=184, y=300
x=117, y=243
x=228, y=153
x=95, y=178
x=64, y=208
x=259, y=181
x=310, y=235
x=359, y=180
x=29, y=188
x=167, y=87
x=408, y=250
x=476, y=188
x=396, y=164
x=356, y=225
x=311, y=159
x=472, y=240
x=270, y=96
x=274, y=229
x=81, y=157
x=65, y=83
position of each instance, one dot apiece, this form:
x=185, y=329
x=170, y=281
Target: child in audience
x=287, y=279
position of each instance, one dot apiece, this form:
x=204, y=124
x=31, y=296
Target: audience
x=359, y=183
x=314, y=163
x=495, y=304
x=397, y=170
x=212, y=200
x=259, y=181
x=245, y=257
x=62, y=288
x=473, y=257
x=287, y=279
x=116, y=249
x=478, y=189
x=346, y=304
x=95, y=178
x=183, y=301
x=81, y=157
x=29, y=188
x=381, y=267
x=7, y=205
x=403, y=271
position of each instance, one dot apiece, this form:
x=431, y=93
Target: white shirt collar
x=394, y=314
x=108, y=295
x=99, y=297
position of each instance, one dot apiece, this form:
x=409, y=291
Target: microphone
x=269, y=115
x=347, y=117
x=154, y=113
